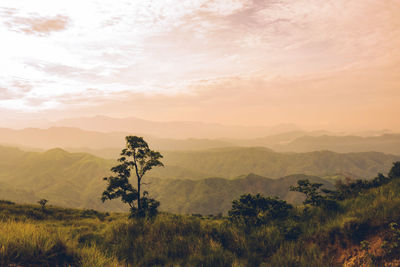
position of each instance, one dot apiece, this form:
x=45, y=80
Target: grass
x=38, y=244
x=31, y=236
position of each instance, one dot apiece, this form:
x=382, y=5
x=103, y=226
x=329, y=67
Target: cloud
x=33, y=23
x=5, y=94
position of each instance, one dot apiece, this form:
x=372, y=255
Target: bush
x=391, y=244
x=256, y=210
x=7, y=202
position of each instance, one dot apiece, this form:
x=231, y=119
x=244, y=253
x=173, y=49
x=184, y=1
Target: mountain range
x=172, y=129
x=236, y=161
x=75, y=179
x=109, y=144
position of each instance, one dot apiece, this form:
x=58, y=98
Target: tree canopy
x=258, y=210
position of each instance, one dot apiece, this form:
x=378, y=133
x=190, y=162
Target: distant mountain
x=232, y=162
x=387, y=143
x=77, y=140
x=60, y=137
x=108, y=145
x=297, y=141
x=276, y=140
x=68, y=179
x=173, y=129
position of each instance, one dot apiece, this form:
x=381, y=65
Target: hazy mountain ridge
x=77, y=140
x=109, y=144
x=387, y=143
x=236, y=161
x=172, y=129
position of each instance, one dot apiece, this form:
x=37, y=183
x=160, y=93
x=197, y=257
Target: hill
x=233, y=162
x=108, y=144
x=387, y=143
x=214, y=195
x=75, y=179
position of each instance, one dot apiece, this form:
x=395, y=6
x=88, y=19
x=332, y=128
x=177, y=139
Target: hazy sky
x=332, y=64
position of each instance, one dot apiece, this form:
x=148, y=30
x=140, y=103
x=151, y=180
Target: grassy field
x=32, y=236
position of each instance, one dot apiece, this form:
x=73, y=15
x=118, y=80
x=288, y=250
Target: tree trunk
x=138, y=202
x=138, y=181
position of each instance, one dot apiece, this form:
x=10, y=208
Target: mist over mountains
x=109, y=144
x=172, y=129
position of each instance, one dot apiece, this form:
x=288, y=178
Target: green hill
x=214, y=195
x=75, y=179
x=233, y=162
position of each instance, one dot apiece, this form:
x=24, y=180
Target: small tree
x=254, y=210
x=395, y=170
x=311, y=190
x=43, y=203
x=138, y=158
x=314, y=196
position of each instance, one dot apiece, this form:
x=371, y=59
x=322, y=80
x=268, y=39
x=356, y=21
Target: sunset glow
x=331, y=64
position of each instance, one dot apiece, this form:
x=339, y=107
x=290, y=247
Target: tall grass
x=173, y=240
x=32, y=243
x=23, y=242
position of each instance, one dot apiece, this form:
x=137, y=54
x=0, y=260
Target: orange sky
x=332, y=64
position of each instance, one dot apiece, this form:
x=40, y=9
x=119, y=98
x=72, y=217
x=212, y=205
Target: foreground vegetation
x=362, y=230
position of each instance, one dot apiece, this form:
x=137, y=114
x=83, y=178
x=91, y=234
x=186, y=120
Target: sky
x=332, y=64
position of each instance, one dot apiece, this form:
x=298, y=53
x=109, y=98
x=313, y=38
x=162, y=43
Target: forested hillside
x=214, y=195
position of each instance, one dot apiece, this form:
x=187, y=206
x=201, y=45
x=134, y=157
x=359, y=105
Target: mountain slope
x=215, y=195
x=387, y=143
x=232, y=162
x=75, y=180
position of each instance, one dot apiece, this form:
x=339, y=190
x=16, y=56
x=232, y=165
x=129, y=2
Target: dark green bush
x=255, y=210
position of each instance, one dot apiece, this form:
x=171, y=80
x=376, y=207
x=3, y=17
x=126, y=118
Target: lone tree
x=43, y=203
x=138, y=158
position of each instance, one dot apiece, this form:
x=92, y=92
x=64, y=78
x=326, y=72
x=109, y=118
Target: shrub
x=391, y=244
x=256, y=210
